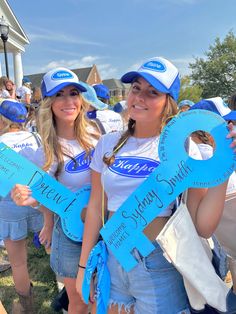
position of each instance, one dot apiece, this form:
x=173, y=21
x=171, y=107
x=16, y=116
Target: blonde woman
x=67, y=137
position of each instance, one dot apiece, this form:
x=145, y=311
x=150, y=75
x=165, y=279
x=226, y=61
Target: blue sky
x=118, y=35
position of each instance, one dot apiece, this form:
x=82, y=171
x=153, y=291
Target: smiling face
x=145, y=103
x=67, y=105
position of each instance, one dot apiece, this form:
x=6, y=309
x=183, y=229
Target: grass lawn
x=43, y=278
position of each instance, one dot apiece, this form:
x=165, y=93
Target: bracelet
x=80, y=266
x=37, y=206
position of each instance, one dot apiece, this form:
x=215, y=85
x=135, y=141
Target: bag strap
x=37, y=138
x=100, y=126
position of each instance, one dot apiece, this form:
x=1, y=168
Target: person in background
x=15, y=222
x=36, y=97
x=102, y=92
x=232, y=102
x=185, y=104
x=121, y=108
x=24, y=92
x=110, y=120
x=154, y=285
x=68, y=138
x=4, y=264
x=3, y=92
x=11, y=88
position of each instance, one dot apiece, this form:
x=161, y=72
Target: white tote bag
x=191, y=256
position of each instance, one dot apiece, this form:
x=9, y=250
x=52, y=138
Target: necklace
x=146, y=144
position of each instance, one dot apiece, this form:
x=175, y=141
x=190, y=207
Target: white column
x=0, y=68
x=18, y=69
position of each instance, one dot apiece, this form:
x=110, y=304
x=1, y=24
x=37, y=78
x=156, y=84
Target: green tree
x=216, y=74
x=189, y=91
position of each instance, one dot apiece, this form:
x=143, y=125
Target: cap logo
x=61, y=75
x=154, y=65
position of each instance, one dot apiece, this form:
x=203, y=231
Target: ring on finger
x=18, y=195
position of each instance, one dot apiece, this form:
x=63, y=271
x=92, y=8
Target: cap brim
x=99, y=105
x=131, y=76
x=230, y=116
x=62, y=85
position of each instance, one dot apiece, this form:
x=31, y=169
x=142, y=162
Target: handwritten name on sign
x=14, y=168
x=177, y=172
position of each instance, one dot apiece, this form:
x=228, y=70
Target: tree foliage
x=216, y=74
x=189, y=91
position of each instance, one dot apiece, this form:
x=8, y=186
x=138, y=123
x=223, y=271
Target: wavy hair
x=8, y=125
x=169, y=111
x=53, y=149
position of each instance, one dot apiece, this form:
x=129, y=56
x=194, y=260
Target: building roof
x=114, y=84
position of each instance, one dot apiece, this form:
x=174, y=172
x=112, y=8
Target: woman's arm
x=206, y=205
x=92, y=226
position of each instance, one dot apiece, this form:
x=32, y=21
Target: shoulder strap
x=100, y=126
x=37, y=138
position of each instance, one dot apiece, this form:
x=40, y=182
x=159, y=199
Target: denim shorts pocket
x=156, y=262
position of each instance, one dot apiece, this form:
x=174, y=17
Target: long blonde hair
x=47, y=129
x=169, y=111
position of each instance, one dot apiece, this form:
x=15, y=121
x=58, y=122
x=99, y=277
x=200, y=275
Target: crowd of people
x=66, y=120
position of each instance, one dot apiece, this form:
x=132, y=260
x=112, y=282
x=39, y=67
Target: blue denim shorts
x=153, y=286
x=65, y=253
x=17, y=221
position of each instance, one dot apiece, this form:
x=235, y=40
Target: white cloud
x=105, y=69
x=44, y=35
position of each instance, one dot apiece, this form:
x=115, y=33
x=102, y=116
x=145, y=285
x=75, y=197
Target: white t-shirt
x=22, y=142
x=4, y=94
x=133, y=164
x=110, y=120
x=22, y=91
x=231, y=187
x=206, y=150
x=73, y=176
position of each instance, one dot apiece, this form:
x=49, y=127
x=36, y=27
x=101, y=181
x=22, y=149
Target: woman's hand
x=21, y=195
x=79, y=282
x=232, y=134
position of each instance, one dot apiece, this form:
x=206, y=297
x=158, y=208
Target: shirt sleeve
x=97, y=159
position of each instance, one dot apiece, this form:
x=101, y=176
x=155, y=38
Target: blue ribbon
x=98, y=260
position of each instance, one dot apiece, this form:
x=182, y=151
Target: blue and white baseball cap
x=216, y=105
x=185, y=102
x=56, y=79
x=102, y=91
x=13, y=110
x=120, y=106
x=160, y=73
x=91, y=97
